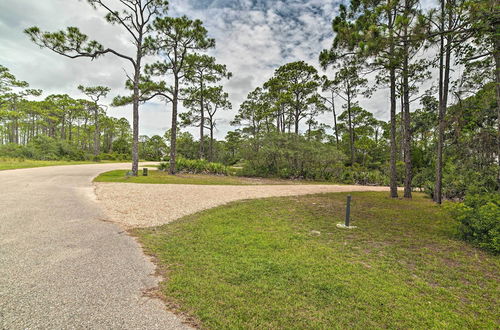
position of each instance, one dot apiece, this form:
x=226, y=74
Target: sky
x=253, y=38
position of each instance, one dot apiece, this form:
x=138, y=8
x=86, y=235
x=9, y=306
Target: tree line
x=444, y=139
x=80, y=126
x=396, y=44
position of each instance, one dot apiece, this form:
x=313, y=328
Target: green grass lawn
x=11, y=164
x=262, y=264
x=160, y=177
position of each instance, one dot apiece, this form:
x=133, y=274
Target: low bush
x=289, y=156
x=196, y=166
x=44, y=148
x=296, y=157
x=114, y=156
x=479, y=220
x=458, y=180
x=360, y=175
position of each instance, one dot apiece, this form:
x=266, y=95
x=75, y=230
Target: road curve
x=61, y=267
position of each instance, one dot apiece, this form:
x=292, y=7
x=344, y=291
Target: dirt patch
x=146, y=205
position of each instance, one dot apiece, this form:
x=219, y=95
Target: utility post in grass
x=347, y=224
x=348, y=211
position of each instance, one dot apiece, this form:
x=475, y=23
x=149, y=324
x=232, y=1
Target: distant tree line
x=76, y=129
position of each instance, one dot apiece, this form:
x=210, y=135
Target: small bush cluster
x=363, y=176
x=479, y=220
x=114, y=156
x=196, y=166
x=46, y=148
x=458, y=181
x=292, y=157
x=297, y=157
x=43, y=148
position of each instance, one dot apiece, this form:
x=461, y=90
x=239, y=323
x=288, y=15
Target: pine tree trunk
x=70, y=128
x=444, y=77
x=407, y=127
x=96, y=132
x=393, y=171
x=211, y=141
x=173, y=137
x=351, y=133
x=202, y=121
x=497, y=79
x=335, y=120
x=135, y=121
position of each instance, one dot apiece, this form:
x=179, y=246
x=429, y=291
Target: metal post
x=145, y=171
x=348, y=211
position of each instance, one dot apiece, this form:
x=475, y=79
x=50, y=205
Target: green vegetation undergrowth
x=197, y=166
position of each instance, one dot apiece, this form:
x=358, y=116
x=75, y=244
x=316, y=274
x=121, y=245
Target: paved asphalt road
x=61, y=267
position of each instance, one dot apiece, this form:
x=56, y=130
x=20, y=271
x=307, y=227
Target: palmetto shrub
x=197, y=166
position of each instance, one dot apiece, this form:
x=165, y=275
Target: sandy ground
x=146, y=205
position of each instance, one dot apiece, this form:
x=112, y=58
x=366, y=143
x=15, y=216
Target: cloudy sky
x=253, y=38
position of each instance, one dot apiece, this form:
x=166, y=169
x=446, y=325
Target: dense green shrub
x=197, y=166
x=114, y=156
x=292, y=157
x=12, y=150
x=458, y=180
x=44, y=148
x=479, y=218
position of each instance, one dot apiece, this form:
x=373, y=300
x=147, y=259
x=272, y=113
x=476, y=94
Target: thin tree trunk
x=16, y=131
x=296, y=119
x=351, y=133
x=496, y=55
x=70, y=128
x=96, y=132
x=135, y=107
x=135, y=120
x=173, y=137
x=211, y=140
x=407, y=133
x=394, y=174
x=444, y=77
x=402, y=105
x=202, y=121
x=63, y=123
x=335, y=120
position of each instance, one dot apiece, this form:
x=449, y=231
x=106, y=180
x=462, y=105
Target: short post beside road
x=145, y=171
x=348, y=211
